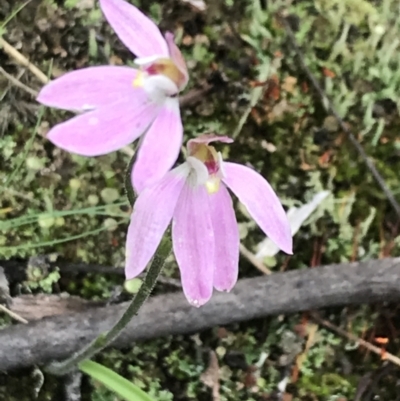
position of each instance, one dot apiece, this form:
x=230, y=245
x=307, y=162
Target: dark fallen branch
x=16, y=271
x=343, y=284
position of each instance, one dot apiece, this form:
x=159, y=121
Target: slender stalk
x=130, y=192
x=105, y=339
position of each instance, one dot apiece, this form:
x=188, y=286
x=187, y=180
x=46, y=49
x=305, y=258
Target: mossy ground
x=52, y=201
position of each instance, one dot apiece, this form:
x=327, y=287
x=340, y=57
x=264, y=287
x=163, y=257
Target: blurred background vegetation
x=53, y=202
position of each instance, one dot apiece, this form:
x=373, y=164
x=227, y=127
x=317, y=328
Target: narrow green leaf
x=113, y=381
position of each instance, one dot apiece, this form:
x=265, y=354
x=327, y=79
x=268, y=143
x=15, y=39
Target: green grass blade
x=91, y=211
x=113, y=381
x=52, y=242
x=13, y=14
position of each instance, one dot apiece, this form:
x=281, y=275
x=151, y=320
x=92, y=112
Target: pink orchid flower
x=122, y=103
x=205, y=233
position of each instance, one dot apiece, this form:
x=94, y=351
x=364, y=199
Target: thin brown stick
x=253, y=260
x=13, y=314
x=21, y=59
x=18, y=83
x=193, y=96
x=378, y=177
x=385, y=355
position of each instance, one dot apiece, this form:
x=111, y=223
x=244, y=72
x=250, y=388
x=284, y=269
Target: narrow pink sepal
x=261, y=202
x=90, y=88
x=177, y=58
x=160, y=147
x=138, y=32
x=227, y=240
x=103, y=130
x=193, y=243
x=151, y=216
x=206, y=139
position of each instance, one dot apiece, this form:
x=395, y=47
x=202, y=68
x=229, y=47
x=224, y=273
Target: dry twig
x=12, y=314
x=253, y=260
x=385, y=355
x=18, y=83
x=21, y=59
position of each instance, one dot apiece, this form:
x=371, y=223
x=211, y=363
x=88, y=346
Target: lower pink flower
x=204, y=228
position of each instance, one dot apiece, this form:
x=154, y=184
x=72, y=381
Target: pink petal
x=193, y=242
x=177, y=57
x=199, y=172
x=261, y=202
x=206, y=139
x=139, y=33
x=226, y=234
x=151, y=215
x=103, y=130
x=91, y=87
x=160, y=147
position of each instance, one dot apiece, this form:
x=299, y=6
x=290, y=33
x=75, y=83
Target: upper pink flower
x=122, y=103
x=204, y=229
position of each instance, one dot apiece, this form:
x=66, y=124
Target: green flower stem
x=103, y=340
x=130, y=192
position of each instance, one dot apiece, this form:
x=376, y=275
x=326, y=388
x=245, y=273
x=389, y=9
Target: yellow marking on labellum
x=166, y=67
x=204, y=153
x=213, y=184
x=139, y=79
